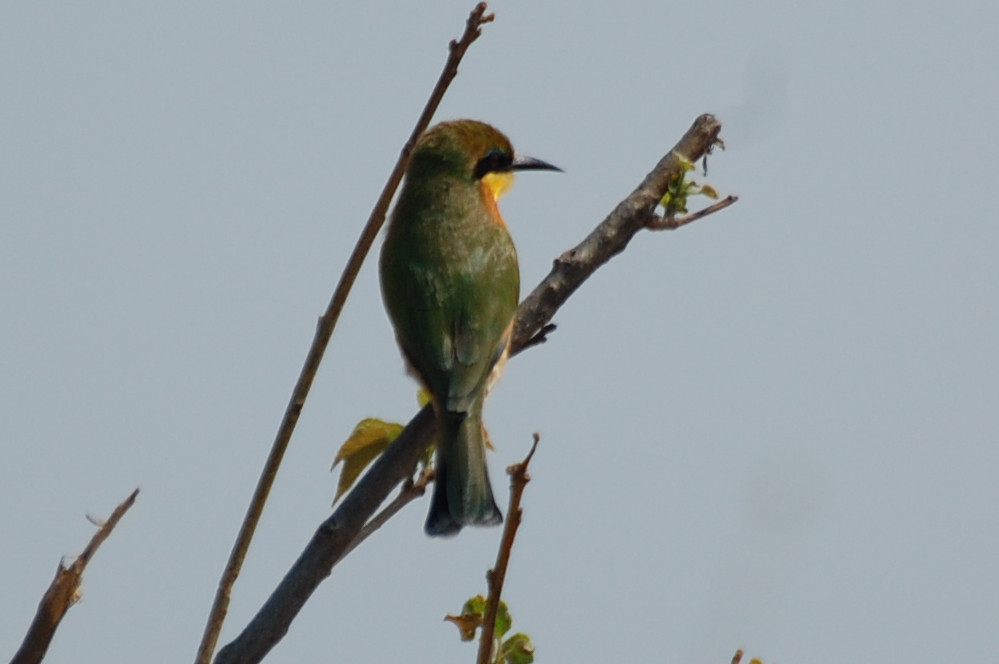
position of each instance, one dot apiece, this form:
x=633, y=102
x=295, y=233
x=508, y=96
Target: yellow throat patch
x=497, y=183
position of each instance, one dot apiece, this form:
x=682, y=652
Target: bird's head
x=472, y=150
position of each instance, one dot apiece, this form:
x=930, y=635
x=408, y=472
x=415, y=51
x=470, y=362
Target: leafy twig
x=495, y=577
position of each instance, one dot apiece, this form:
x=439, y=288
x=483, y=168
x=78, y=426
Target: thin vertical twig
x=324, y=331
x=496, y=576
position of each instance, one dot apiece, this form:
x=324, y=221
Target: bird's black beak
x=522, y=163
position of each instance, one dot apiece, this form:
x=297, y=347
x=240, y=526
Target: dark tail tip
x=442, y=522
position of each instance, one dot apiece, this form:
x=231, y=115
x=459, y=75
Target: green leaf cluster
x=679, y=189
x=517, y=649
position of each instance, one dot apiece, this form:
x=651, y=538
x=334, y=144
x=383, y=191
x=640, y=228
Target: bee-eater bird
x=451, y=285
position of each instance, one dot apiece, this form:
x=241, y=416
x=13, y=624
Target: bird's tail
x=462, y=493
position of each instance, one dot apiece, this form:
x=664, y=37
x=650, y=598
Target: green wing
x=451, y=291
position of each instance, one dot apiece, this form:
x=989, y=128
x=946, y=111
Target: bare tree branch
x=673, y=223
x=613, y=234
x=335, y=536
x=324, y=331
x=497, y=575
x=63, y=592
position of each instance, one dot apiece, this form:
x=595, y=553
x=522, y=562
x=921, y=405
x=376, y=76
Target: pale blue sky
x=775, y=429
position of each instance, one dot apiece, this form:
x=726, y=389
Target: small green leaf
x=503, y=620
x=518, y=649
x=422, y=397
x=709, y=191
x=368, y=439
x=476, y=605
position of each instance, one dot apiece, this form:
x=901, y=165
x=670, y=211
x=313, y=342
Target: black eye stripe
x=496, y=160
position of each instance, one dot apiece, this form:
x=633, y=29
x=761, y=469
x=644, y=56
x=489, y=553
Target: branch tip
x=657, y=223
x=473, y=29
x=64, y=591
x=495, y=576
x=518, y=471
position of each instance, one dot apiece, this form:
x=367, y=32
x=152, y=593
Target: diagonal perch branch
x=63, y=592
x=335, y=535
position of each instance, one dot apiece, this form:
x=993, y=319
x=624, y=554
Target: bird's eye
x=495, y=160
